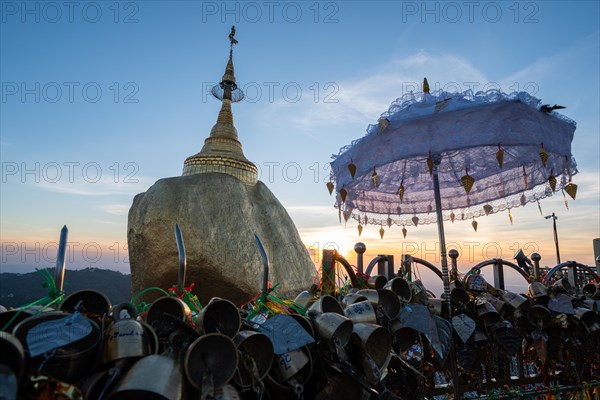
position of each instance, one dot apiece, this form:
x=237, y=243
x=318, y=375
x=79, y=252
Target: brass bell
x=585, y=316
x=288, y=365
x=377, y=281
x=220, y=316
x=324, y=304
x=361, y=311
x=515, y=300
x=563, y=286
x=91, y=303
x=75, y=358
x=256, y=352
x=486, y=312
x=171, y=306
x=537, y=291
x=352, y=298
x=476, y=282
x=404, y=336
x=333, y=327
x=401, y=288
x=13, y=355
x=152, y=377
x=126, y=338
x=540, y=316
x=498, y=304
x=592, y=290
x=459, y=296
x=213, y=354
x=384, y=298
x=377, y=342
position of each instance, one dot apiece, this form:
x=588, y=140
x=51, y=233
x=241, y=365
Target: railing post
x=535, y=257
x=572, y=268
x=360, y=249
x=381, y=264
x=498, y=274
x=453, y=254
x=328, y=272
x=389, y=271
x=385, y=266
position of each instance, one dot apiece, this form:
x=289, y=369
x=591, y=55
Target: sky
x=100, y=99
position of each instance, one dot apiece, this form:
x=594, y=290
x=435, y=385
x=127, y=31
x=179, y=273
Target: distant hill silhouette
x=19, y=289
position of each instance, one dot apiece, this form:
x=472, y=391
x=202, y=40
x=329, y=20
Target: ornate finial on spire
x=227, y=88
x=222, y=151
x=232, y=39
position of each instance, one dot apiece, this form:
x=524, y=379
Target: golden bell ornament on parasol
x=552, y=182
x=543, y=156
x=330, y=187
x=389, y=222
x=343, y=194
x=374, y=177
x=415, y=220
x=430, y=164
x=500, y=156
x=452, y=216
x=360, y=229
x=474, y=224
x=510, y=216
x=381, y=232
x=467, y=182
x=404, y=231
x=487, y=209
x=352, y=169
x=400, y=191
x=383, y=123
x=571, y=189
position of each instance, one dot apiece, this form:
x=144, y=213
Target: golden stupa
x=222, y=151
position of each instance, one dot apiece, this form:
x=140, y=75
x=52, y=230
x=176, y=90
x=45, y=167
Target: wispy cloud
x=103, y=187
x=116, y=209
x=362, y=99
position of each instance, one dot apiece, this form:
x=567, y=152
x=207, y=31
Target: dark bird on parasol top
x=547, y=108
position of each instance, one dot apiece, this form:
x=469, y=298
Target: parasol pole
x=437, y=159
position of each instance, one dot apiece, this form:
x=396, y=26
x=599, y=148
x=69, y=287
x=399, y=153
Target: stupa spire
x=222, y=151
